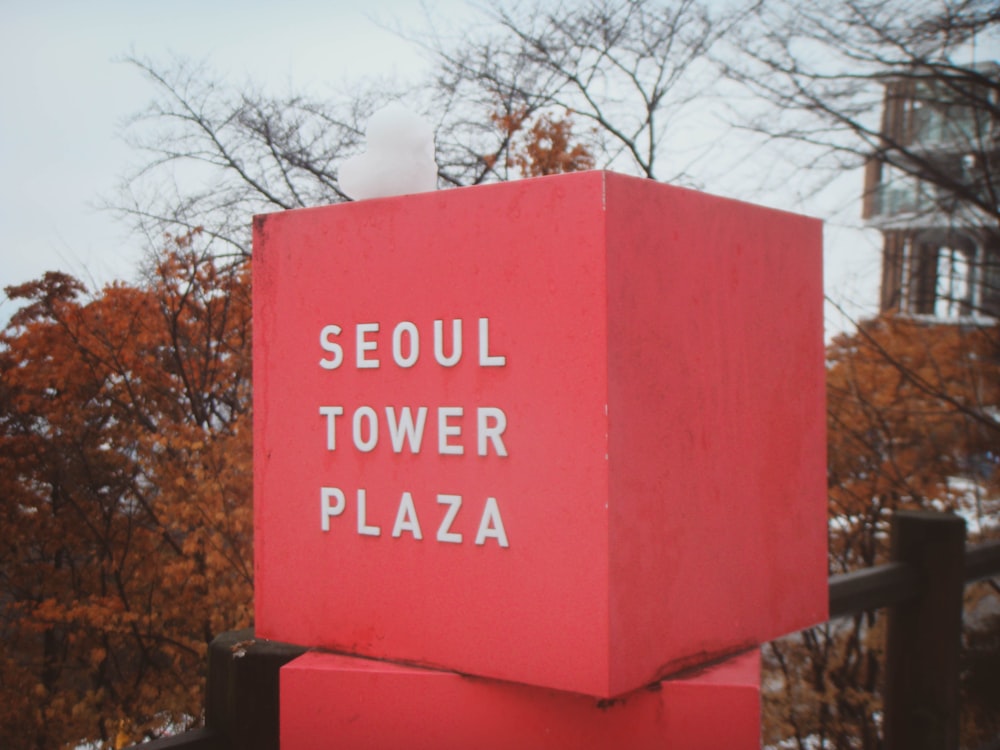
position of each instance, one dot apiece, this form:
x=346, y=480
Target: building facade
x=932, y=190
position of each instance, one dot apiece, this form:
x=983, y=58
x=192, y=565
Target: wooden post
x=242, y=700
x=925, y=633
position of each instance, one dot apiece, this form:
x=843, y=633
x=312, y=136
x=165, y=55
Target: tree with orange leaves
x=912, y=424
x=543, y=147
x=125, y=477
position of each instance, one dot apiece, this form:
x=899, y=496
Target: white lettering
x=446, y=430
x=331, y=413
x=456, y=343
x=491, y=525
x=408, y=354
x=485, y=431
x=330, y=346
x=406, y=518
x=397, y=346
x=367, y=413
x=363, y=528
x=405, y=428
x=364, y=345
x=327, y=511
x=444, y=532
x=485, y=358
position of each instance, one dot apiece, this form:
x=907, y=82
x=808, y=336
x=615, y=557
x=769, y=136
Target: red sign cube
x=329, y=700
x=566, y=431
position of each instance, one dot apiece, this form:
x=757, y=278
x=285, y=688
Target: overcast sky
x=65, y=94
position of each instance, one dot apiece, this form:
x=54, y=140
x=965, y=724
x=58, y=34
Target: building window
x=948, y=275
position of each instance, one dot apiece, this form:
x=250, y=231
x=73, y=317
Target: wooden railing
x=922, y=586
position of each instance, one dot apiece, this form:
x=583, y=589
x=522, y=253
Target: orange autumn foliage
x=544, y=148
x=912, y=410
x=125, y=484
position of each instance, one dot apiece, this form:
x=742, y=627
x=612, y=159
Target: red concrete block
x=566, y=431
x=344, y=702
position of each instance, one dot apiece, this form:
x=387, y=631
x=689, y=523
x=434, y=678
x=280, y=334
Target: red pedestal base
x=329, y=700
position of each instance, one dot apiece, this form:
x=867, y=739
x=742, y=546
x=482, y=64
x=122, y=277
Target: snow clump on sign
x=399, y=159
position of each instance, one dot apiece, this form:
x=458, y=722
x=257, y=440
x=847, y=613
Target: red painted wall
x=636, y=431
